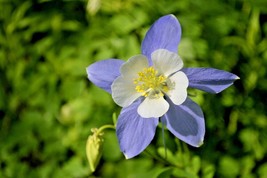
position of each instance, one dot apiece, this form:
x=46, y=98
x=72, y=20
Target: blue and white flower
x=153, y=86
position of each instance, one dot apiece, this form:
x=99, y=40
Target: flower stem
x=105, y=127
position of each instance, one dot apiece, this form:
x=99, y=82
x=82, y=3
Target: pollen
x=150, y=83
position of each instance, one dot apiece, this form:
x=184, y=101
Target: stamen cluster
x=151, y=84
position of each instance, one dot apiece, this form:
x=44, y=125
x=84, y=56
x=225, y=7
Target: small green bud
x=94, y=148
x=93, y=6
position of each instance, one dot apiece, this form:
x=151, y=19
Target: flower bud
x=94, y=148
x=93, y=6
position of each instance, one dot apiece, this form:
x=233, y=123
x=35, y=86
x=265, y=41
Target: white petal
x=153, y=107
x=166, y=62
x=123, y=91
x=134, y=65
x=179, y=93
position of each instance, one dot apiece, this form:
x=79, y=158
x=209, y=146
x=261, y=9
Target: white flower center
x=155, y=83
x=151, y=84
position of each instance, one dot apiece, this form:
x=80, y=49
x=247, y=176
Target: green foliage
x=48, y=107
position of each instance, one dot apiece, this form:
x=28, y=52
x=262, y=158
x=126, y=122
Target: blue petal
x=104, y=72
x=165, y=33
x=186, y=122
x=209, y=79
x=134, y=132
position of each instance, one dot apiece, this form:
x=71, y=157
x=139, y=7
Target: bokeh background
x=48, y=107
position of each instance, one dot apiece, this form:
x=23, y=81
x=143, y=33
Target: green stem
x=105, y=127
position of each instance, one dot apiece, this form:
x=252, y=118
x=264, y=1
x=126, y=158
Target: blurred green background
x=48, y=107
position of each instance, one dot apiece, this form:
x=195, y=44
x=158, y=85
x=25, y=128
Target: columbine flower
x=153, y=86
x=153, y=83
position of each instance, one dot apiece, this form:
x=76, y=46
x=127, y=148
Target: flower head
x=153, y=86
x=152, y=83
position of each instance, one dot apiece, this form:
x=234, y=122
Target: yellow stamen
x=151, y=84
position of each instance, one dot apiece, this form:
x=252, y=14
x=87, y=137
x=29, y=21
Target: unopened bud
x=94, y=148
x=93, y=6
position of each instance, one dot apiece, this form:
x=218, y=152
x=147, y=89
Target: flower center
x=151, y=84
